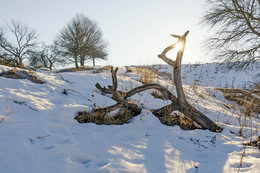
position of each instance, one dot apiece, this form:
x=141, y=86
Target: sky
x=136, y=30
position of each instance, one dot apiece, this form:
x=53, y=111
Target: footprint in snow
x=102, y=163
x=41, y=140
x=245, y=165
x=87, y=163
x=84, y=162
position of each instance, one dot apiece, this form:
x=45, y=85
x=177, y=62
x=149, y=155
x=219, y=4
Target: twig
x=2, y=120
x=61, y=75
x=241, y=159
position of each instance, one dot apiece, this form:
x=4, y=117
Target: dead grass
x=243, y=98
x=147, y=75
x=22, y=74
x=86, y=68
x=178, y=119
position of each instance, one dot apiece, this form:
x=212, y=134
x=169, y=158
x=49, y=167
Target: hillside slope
x=214, y=75
x=39, y=133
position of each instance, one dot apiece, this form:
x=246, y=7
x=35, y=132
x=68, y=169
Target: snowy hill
x=39, y=133
x=215, y=75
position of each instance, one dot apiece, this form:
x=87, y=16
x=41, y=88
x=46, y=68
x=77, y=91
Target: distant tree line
x=80, y=40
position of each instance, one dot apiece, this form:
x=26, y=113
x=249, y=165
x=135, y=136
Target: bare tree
x=23, y=39
x=236, y=30
x=94, y=46
x=46, y=57
x=79, y=38
x=98, y=52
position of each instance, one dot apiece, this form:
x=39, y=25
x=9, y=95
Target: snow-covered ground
x=215, y=75
x=39, y=133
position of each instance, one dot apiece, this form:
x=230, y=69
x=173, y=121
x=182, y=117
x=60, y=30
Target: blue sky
x=137, y=30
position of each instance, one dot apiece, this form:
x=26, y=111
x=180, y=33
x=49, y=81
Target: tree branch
x=240, y=9
x=166, y=93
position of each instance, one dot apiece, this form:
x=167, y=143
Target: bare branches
x=246, y=15
x=24, y=39
x=176, y=36
x=176, y=65
x=237, y=26
x=113, y=88
x=103, y=90
x=114, y=78
x=167, y=49
x=164, y=113
x=181, y=104
x=119, y=113
x=163, y=55
x=166, y=93
x=82, y=39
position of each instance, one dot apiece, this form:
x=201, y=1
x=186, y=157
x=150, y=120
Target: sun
x=179, y=46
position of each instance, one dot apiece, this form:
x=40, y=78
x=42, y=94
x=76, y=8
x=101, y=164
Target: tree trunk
x=20, y=63
x=45, y=62
x=177, y=75
x=51, y=64
x=82, y=62
x=76, y=62
x=182, y=105
x=93, y=61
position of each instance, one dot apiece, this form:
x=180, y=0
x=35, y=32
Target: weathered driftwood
x=125, y=110
x=182, y=105
x=119, y=113
x=164, y=113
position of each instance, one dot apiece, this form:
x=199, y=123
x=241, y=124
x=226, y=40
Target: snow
x=215, y=76
x=39, y=132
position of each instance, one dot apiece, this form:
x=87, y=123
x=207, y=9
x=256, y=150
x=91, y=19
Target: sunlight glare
x=179, y=46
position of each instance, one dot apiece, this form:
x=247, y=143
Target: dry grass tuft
x=22, y=74
x=243, y=98
x=86, y=68
x=147, y=76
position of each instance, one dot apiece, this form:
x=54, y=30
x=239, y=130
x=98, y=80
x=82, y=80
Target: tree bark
x=182, y=105
x=76, y=62
x=94, y=64
x=115, y=114
x=166, y=93
x=51, y=64
x=177, y=73
x=164, y=114
x=82, y=62
x=20, y=64
x=119, y=113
